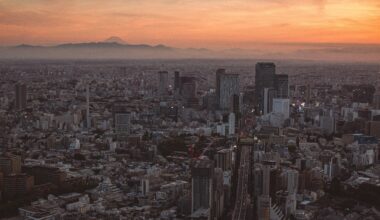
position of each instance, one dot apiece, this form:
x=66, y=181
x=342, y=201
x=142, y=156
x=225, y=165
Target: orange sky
x=190, y=23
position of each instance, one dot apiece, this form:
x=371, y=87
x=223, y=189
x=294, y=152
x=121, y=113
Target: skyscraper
x=202, y=173
x=20, y=99
x=176, y=81
x=281, y=106
x=292, y=186
x=231, y=123
x=269, y=86
x=264, y=200
x=188, y=87
x=163, y=83
x=264, y=78
x=282, y=86
x=88, y=119
x=227, y=85
x=269, y=95
x=122, y=119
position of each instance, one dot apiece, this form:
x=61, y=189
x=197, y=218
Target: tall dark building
x=188, y=86
x=163, y=83
x=282, y=86
x=219, y=73
x=20, y=99
x=202, y=173
x=176, y=81
x=264, y=78
x=269, y=86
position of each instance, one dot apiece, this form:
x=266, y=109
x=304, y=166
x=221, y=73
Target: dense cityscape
x=189, y=139
x=189, y=110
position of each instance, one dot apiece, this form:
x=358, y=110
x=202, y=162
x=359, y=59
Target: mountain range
x=116, y=48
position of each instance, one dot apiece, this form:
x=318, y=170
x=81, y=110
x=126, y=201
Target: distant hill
x=96, y=50
x=117, y=48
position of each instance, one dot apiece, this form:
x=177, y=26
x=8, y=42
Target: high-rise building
x=188, y=87
x=202, y=173
x=223, y=159
x=163, y=83
x=231, y=123
x=269, y=86
x=227, y=85
x=269, y=95
x=264, y=78
x=292, y=181
x=281, y=106
x=88, y=118
x=282, y=86
x=122, y=119
x=264, y=200
x=20, y=96
x=10, y=163
x=176, y=81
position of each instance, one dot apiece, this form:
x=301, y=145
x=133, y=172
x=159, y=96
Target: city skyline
x=190, y=109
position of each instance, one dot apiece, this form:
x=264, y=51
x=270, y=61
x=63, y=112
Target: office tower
x=236, y=103
x=163, y=83
x=219, y=73
x=122, y=119
x=176, y=81
x=20, y=99
x=292, y=178
x=269, y=86
x=281, y=106
x=231, y=123
x=264, y=200
x=264, y=78
x=217, y=208
x=269, y=95
x=188, y=87
x=227, y=85
x=202, y=173
x=292, y=181
x=282, y=86
x=308, y=95
x=10, y=163
x=223, y=159
x=88, y=119
x=257, y=180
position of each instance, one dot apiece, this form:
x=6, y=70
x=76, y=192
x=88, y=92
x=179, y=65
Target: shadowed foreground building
x=207, y=198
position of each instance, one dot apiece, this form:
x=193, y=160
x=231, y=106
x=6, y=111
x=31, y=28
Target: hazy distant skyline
x=190, y=23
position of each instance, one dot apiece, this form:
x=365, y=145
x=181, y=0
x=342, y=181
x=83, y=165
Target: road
x=242, y=204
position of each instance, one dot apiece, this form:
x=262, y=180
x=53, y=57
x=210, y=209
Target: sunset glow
x=190, y=23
